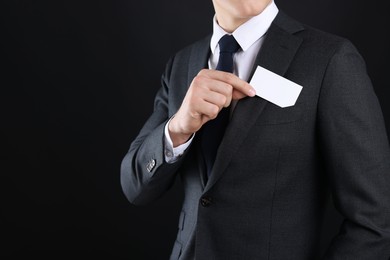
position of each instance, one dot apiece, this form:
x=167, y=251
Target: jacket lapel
x=198, y=60
x=276, y=54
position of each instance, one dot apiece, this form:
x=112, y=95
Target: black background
x=77, y=82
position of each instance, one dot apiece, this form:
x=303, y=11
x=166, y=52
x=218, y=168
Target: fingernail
x=252, y=92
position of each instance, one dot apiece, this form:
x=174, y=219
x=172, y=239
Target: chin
x=248, y=10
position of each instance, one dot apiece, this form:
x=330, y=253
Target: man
x=263, y=195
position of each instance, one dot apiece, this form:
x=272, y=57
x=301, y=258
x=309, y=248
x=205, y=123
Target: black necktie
x=214, y=130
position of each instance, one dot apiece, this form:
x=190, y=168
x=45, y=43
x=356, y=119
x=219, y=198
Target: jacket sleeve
x=357, y=158
x=145, y=175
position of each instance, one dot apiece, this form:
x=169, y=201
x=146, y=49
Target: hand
x=209, y=92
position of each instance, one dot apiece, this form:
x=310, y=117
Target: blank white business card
x=274, y=88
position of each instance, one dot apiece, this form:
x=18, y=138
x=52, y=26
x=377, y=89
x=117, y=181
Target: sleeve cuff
x=172, y=154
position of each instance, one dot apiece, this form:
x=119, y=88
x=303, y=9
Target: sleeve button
x=150, y=165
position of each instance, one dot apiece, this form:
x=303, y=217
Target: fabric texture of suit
x=265, y=196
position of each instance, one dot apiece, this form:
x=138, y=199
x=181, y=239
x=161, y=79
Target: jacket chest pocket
x=275, y=115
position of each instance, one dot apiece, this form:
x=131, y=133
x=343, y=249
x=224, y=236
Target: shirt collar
x=249, y=32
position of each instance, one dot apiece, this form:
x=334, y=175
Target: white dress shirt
x=250, y=37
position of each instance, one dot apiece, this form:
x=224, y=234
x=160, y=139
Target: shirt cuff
x=172, y=154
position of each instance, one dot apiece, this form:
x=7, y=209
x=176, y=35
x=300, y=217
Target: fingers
x=240, y=87
x=220, y=100
x=208, y=93
x=204, y=101
x=207, y=109
x=213, y=91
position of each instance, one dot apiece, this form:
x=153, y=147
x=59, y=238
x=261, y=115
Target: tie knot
x=228, y=44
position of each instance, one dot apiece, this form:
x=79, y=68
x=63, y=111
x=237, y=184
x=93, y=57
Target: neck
x=232, y=14
x=230, y=25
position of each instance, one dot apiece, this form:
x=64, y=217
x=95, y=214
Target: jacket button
x=205, y=201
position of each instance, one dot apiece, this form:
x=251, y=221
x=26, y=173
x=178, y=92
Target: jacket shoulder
x=323, y=41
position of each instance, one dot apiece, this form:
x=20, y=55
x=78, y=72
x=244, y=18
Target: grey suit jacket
x=265, y=197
